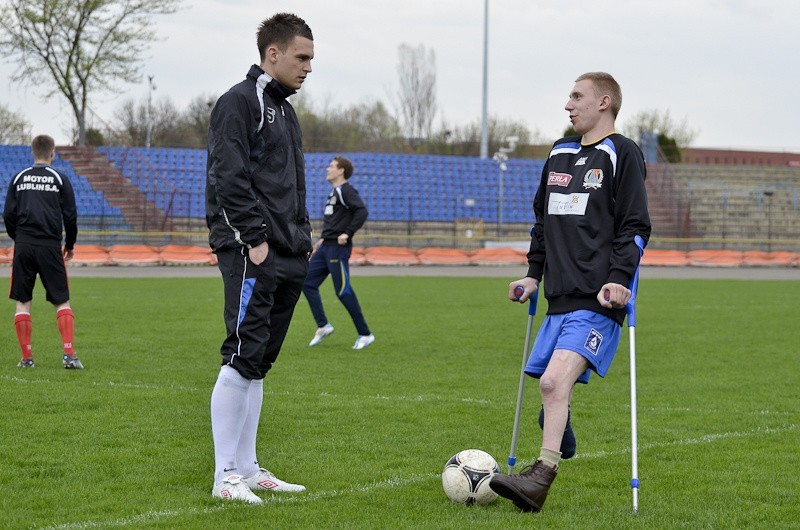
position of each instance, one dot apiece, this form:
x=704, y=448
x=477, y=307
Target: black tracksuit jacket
x=255, y=181
x=590, y=205
x=344, y=213
x=40, y=208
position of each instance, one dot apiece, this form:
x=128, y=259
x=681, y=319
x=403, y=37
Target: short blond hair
x=605, y=85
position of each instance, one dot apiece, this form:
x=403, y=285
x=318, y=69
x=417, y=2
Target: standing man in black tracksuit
x=591, y=226
x=344, y=214
x=40, y=207
x=260, y=231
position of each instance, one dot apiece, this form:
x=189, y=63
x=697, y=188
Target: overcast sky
x=728, y=67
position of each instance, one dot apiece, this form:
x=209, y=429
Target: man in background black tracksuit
x=344, y=214
x=260, y=232
x=39, y=209
x=591, y=226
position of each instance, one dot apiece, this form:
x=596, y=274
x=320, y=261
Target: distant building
x=693, y=155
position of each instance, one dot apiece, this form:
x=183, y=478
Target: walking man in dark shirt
x=39, y=209
x=344, y=214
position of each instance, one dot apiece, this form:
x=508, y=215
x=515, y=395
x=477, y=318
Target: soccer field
x=127, y=443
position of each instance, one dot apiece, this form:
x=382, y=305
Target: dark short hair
x=345, y=165
x=279, y=30
x=42, y=146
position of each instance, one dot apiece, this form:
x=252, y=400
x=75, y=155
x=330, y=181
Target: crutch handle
x=519, y=291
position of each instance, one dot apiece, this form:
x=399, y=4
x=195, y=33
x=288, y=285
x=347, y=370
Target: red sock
x=22, y=321
x=66, y=326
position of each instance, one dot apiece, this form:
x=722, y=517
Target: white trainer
x=321, y=333
x=233, y=488
x=264, y=480
x=363, y=341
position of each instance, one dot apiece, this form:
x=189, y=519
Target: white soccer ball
x=466, y=476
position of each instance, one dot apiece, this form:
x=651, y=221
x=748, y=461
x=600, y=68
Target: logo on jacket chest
x=330, y=204
x=271, y=115
x=593, y=179
x=558, y=179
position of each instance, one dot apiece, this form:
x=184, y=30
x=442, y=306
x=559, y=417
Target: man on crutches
x=590, y=207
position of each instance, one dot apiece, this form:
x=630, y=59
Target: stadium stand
x=93, y=208
x=394, y=186
x=155, y=197
x=172, y=178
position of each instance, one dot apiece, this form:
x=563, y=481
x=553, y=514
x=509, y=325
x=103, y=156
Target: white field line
x=708, y=438
x=150, y=386
x=398, y=482
x=152, y=516
x=377, y=397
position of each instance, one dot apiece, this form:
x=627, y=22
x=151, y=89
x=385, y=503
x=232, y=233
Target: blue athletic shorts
x=591, y=335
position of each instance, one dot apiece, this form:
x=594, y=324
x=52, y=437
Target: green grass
x=127, y=443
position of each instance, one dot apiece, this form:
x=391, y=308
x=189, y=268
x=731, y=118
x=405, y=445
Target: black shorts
x=259, y=303
x=48, y=263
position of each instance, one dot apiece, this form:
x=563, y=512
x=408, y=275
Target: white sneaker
x=232, y=488
x=363, y=341
x=264, y=480
x=321, y=333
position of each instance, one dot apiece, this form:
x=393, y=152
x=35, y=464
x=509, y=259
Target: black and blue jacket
x=255, y=180
x=590, y=206
x=344, y=213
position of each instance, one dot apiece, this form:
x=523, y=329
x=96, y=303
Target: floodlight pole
x=768, y=194
x=501, y=157
x=150, y=89
x=485, y=104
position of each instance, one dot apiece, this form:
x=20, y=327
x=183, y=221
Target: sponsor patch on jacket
x=271, y=115
x=558, y=179
x=593, y=342
x=581, y=161
x=593, y=179
x=567, y=203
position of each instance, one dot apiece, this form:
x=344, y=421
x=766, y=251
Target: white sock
x=246, y=450
x=229, y=404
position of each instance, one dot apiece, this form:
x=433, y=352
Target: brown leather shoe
x=528, y=490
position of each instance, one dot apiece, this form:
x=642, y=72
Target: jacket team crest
x=593, y=179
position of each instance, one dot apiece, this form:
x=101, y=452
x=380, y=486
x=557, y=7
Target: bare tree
x=367, y=126
x=416, y=68
x=465, y=139
x=171, y=127
x=661, y=123
x=195, y=120
x=14, y=129
x=78, y=47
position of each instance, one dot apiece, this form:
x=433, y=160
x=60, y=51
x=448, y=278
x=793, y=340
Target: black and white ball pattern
x=466, y=476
